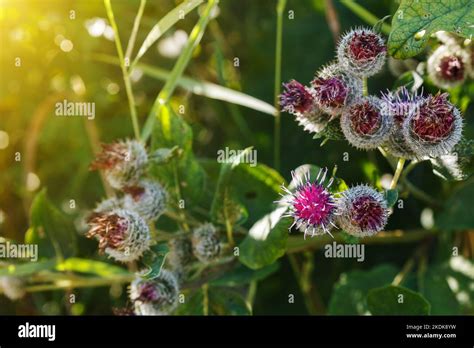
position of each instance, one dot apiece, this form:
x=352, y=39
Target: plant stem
x=297, y=244
x=277, y=127
x=398, y=172
x=252, y=292
x=80, y=283
x=365, y=15
x=365, y=88
x=303, y=277
x=182, y=216
x=133, y=36
x=205, y=299
x=126, y=77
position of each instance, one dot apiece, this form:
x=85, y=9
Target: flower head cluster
x=157, y=296
x=120, y=223
x=360, y=211
x=405, y=124
x=122, y=234
x=206, y=243
x=362, y=52
x=123, y=162
x=449, y=64
x=366, y=123
x=434, y=127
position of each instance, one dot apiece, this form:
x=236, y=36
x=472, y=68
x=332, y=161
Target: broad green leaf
x=448, y=287
x=244, y=275
x=165, y=23
x=198, y=87
x=226, y=209
x=416, y=20
x=167, y=91
x=266, y=240
x=350, y=292
x=457, y=212
x=391, y=197
x=221, y=301
x=154, y=260
x=26, y=269
x=255, y=187
x=170, y=131
x=456, y=166
x=49, y=223
x=396, y=300
x=99, y=268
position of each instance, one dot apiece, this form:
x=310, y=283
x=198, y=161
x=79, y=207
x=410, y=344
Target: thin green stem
x=251, y=293
x=277, y=127
x=126, y=77
x=179, y=197
x=365, y=15
x=205, y=299
x=398, y=172
x=133, y=36
x=365, y=88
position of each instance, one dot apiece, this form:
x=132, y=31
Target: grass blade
x=164, y=24
x=133, y=36
x=202, y=88
x=178, y=69
x=365, y=15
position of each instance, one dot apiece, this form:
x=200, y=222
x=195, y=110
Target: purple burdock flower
x=362, y=52
x=334, y=89
x=434, y=128
x=448, y=66
x=362, y=211
x=295, y=98
x=122, y=234
x=157, y=296
x=399, y=105
x=366, y=123
x=311, y=204
x=123, y=162
x=299, y=101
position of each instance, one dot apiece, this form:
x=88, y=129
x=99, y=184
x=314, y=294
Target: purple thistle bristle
x=295, y=98
x=362, y=211
x=311, y=205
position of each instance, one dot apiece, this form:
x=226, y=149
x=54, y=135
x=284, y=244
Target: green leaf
x=332, y=131
x=416, y=20
x=391, y=197
x=350, y=292
x=226, y=209
x=99, y=268
x=396, y=300
x=222, y=301
x=170, y=131
x=256, y=188
x=165, y=23
x=154, y=260
x=456, y=166
x=50, y=225
x=457, y=212
x=448, y=287
x=199, y=87
x=26, y=269
x=266, y=240
x=244, y=275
